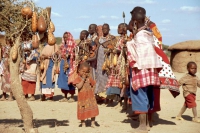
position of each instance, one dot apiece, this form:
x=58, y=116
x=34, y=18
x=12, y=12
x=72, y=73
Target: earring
x=135, y=27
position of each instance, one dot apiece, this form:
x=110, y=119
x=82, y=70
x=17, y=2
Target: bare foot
x=3, y=99
x=137, y=130
x=179, y=118
x=10, y=99
x=83, y=125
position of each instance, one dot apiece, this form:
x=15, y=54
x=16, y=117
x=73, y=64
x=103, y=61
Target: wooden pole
x=49, y=11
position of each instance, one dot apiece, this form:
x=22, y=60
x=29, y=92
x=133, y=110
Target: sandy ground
x=57, y=117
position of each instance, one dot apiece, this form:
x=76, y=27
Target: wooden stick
x=49, y=12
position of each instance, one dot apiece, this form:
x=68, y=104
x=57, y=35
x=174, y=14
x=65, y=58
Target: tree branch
x=6, y=18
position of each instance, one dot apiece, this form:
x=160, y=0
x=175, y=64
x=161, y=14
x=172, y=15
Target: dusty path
x=57, y=117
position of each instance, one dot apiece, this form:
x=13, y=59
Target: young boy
x=189, y=83
x=87, y=105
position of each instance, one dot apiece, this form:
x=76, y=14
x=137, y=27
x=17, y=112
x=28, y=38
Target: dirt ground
x=59, y=117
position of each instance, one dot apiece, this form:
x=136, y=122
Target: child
x=189, y=84
x=87, y=105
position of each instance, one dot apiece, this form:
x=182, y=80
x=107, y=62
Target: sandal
x=71, y=100
x=63, y=100
x=195, y=120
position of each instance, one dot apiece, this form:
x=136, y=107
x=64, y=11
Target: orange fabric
x=49, y=95
x=190, y=101
x=28, y=87
x=87, y=104
x=156, y=33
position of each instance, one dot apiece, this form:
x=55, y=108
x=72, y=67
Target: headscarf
x=71, y=44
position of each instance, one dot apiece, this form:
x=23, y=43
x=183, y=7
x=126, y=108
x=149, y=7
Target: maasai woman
x=67, y=55
x=29, y=71
x=48, y=74
x=6, y=71
x=145, y=66
x=122, y=64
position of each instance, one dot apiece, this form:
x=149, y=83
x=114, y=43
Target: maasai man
x=145, y=66
x=167, y=78
x=67, y=55
x=94, y=46
x=47, y=77
x=29, y=69
x=6, y=71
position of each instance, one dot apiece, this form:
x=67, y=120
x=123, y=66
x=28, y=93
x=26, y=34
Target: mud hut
x=182, y=53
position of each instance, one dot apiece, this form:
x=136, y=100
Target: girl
x=87, y=105
x=67, y=58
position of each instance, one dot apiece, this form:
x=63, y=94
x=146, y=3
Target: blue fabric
x=63, y=77
x=142, y=99
x=49, y=83
x=139, y=99
x=112, y=90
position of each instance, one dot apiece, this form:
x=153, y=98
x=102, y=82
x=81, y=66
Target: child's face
x=192, y=69
x=84, y=72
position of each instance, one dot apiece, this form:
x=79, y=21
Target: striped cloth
x=29, y=76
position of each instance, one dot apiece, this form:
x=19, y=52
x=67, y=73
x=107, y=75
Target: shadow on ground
x=37, y=123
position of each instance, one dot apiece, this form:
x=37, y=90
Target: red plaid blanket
x=113, y=81
x=144, y=77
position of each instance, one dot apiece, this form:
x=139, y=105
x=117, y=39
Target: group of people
x=126, y=67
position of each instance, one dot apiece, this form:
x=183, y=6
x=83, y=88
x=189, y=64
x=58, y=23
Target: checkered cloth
x=141, y=53
x=68, y=47
x=144, y=77
x=113, y=81
x=143, y=60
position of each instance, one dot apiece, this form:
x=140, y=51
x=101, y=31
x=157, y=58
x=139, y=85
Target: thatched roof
x=187, y=45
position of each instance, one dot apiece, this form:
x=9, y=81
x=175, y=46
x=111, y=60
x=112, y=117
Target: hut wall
x=180, y=58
